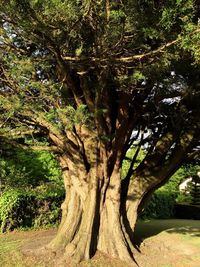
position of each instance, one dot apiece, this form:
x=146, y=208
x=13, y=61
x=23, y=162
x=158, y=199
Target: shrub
x=31, y=190
x=183, y=198
x=14, y=207
x=47, y=211
x=161, y=205
x=22, y=209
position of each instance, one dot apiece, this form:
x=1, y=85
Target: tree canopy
x=54, y=53
x=88, y=80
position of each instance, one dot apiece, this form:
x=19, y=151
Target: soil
x=174, y=247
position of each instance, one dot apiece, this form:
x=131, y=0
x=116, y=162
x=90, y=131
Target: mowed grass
x=10, y=253
x=188, y=229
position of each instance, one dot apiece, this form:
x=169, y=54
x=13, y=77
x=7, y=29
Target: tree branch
x=130, y=58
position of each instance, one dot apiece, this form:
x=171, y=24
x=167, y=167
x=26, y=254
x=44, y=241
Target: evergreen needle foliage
x=88, y=80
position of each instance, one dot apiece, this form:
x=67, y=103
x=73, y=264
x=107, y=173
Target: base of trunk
x=93, y=229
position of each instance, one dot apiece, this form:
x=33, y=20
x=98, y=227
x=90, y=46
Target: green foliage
x=138, y=76
x=117, y=19
x=7, y=201
x=179, y=176
x=188, y=170
x=21, y=209
x=31, y=190
x=11, y=175
x=129, y=156
x=79, y=116
x=162, y=202
x=29, y=170
x=161, y=205
x=40, y=35
x=70, y=116
x=47, y=211
x=183, y=198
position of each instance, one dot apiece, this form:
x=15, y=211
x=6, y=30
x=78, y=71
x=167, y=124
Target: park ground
x=162, y=243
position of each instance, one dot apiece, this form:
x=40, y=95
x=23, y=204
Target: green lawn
x=10, y=255
x=148, y=228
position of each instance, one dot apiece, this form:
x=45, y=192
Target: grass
x=191, y=239
x=9, y=252
x=10, y=255
x=148, y=228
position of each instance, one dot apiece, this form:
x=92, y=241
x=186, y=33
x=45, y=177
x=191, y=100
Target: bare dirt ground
x=163, y=243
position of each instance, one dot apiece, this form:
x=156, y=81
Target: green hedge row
x=21, y=210
x=161, y=205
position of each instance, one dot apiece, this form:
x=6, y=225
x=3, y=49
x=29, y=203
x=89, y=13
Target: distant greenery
x=28, y=170
x=162, y=203
x=20, y=209
x=127, y=161
x=31, y=190
x=189, y=170
x=163, y=200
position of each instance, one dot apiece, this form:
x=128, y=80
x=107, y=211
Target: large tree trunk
x=92, y=217
x=97, y=214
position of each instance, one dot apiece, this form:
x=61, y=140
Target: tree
x=89, y=79
x=195, y=190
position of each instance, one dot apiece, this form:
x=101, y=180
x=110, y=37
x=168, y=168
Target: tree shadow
x=193, y=231
x=146, y=229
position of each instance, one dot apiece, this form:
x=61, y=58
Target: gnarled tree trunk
x=98, y=214
x=92, y=217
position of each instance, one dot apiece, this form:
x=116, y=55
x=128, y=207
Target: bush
x=14, y=205
x=183, y=198
x=47, y=211
x=31, y=190
x=25, y=169
x=161, y=205
x=21, y=210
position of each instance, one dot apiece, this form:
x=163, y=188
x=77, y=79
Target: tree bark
x=95, y=213
x=92, y=219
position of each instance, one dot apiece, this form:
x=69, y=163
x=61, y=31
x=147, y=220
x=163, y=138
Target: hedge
x=161, y=205
x=21, y=210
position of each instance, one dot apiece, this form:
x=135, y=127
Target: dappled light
x=186, y=230
x=100, y=99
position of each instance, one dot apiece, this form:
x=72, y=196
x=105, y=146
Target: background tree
x=94, y=78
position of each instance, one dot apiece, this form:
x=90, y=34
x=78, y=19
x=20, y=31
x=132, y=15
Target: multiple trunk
x=92, y=217
x=95, y=214
x=100, y=210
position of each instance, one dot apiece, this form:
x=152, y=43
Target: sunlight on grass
x=192, y=239
x=10, y=255
x=186, y=231
x=9, y=246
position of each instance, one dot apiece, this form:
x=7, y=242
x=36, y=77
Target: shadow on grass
x=186, y=230
x=145, y=229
